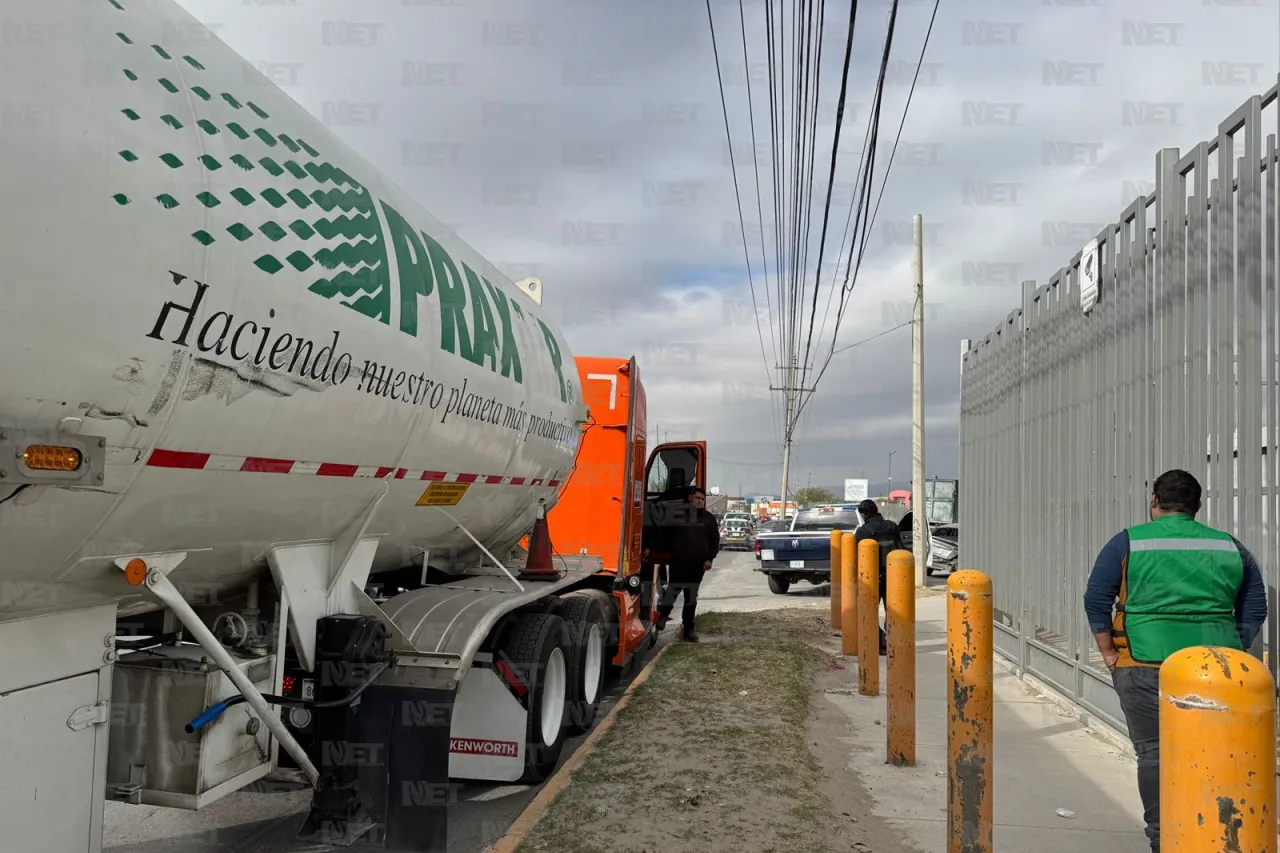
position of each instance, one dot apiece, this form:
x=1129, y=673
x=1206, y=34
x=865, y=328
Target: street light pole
x=891, y=452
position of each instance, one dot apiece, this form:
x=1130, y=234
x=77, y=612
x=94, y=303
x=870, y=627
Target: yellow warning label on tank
x=443, y=494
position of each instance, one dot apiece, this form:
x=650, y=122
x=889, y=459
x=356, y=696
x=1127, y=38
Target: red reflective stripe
x=177, y=459
x=512, y=677
x=265, y=465
x=187, y=460
x=333, y=469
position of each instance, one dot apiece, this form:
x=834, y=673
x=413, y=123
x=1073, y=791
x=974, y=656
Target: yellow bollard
x=900, y=623
x=1217, y=752
x=848, y=595
x=868, y=617
x=969, y=712
x=835, y=578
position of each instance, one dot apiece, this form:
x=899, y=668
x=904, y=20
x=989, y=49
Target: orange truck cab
x=617, y=497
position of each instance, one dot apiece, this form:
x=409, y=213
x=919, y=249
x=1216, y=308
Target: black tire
x=532, y=645
x=588, y=623
x=779, y=585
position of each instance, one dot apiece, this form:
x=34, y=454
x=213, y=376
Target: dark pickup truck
x=804, y=551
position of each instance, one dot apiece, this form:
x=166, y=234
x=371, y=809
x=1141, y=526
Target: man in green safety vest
x=1174, y=583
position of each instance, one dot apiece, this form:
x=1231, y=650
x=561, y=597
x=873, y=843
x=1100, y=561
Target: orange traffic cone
x=539, y=562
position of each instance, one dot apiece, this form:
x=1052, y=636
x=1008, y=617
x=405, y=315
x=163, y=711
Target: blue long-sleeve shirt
x=1104, y=587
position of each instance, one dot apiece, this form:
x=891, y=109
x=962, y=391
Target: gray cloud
x=583, y=142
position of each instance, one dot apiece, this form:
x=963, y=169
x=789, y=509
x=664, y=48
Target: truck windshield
x=834, y=519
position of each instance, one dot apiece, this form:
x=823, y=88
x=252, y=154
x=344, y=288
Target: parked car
x=803, y=552
x=941, y=545
x=769, y=527
x=736, y=535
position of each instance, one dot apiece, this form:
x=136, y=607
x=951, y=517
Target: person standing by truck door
x=1175, y=583
x=694, y=543
x=888, y=536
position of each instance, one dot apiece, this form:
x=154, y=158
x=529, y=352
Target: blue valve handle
x=207, y=717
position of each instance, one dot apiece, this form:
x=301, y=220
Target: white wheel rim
x=593, y=664
x=553, y=684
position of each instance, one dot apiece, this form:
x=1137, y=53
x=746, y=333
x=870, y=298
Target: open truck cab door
x=671, y=471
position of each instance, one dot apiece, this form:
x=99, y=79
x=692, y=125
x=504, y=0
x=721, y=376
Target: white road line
x=498, y=793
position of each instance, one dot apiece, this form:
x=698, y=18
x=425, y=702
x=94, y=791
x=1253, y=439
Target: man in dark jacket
x=887, y=535
x=693, y=541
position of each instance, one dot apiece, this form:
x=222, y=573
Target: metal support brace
x=163, y=589
x=487, y=552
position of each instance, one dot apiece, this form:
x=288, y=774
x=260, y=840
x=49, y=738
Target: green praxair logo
x=311, y=215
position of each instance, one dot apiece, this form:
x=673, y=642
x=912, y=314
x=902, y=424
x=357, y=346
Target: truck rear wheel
x=537, y=647
x=585, y=617
x=779, y=585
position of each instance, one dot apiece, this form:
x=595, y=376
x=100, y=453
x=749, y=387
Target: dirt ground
x=728, y=747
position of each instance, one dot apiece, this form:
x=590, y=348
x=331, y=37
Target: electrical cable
x=852, y=270
x=737, y=193
x=831, y=178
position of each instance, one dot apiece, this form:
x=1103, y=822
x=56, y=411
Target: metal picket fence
x=1068, y=415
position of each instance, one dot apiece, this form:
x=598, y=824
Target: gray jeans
x=1139, y=690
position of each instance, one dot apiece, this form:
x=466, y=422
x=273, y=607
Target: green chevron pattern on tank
x=284, y=172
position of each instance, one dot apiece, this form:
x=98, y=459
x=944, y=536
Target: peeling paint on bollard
x=1195, y=703
x=1217, y=753
x=969, y=718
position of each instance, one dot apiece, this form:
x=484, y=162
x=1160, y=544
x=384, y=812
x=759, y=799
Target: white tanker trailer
x=262, y=412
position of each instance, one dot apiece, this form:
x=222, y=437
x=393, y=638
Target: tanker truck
x=286, y=468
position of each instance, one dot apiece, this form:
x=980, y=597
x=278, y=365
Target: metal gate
x=1068, y=415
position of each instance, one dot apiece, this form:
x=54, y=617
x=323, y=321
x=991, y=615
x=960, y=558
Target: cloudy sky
x=583, y=141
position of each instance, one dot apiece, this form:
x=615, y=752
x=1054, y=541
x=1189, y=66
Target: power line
x=737, y=194
x=867, y=162
x=906, y=108
x=755, y=160
x=872, y=338
x=831, y=178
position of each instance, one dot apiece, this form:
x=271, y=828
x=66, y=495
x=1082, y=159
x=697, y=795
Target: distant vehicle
x=735, y=515
x=803, y=552
x=941, y=545
x=736, y=535
x=769, y=527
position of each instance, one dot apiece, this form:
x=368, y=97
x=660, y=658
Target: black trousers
x=682, y=579
x=1139, y=690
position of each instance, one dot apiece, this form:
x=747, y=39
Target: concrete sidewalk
x=1045, y=761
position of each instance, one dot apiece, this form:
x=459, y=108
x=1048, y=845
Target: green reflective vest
x=1181, y=583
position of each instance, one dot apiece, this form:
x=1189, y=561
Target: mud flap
x=384, y=762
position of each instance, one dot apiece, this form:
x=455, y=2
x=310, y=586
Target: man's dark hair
x=694, y=490
x=1177, y=491
x=868, y=508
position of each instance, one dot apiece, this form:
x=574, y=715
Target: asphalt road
x=253, y=822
